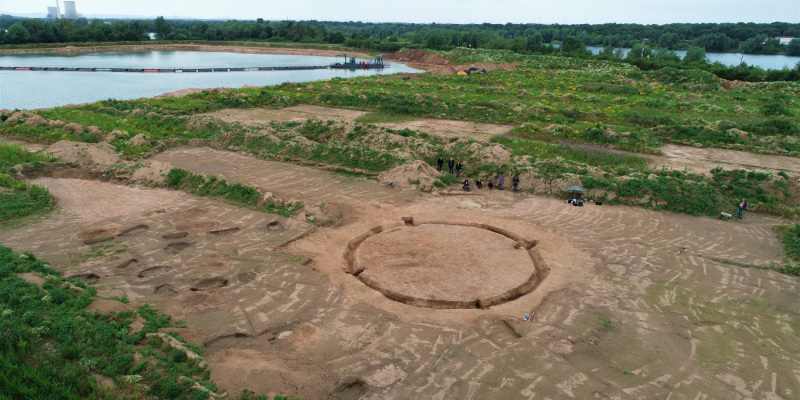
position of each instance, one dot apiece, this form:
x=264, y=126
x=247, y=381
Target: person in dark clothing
x=466, y=185
x=742, y=207
x=500, y=180
x=490, y=184
x=451, y=164
x=479, y=184
x=458, y=168
x=439, y=163
x=515, y=182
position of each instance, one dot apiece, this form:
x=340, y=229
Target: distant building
x=52, y=13
x=70, y=12
x=784, y=39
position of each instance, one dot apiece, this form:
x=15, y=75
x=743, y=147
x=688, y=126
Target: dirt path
x=704, y=160
x=290, y=181
x=301, y=113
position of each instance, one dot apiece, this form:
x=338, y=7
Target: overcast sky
x=441, y=11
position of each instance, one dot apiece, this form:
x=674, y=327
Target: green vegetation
x=791, y=241
x=17, y=197
x=237, y=194
x=759, y=38
x=570, y=117
x=594, y=155
x=604, y=323
x=791, y=245
x=392, y=37
x=51, y=346
x=11, y=155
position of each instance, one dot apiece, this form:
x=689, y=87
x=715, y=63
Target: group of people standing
x=452, y=165
x=490, y=183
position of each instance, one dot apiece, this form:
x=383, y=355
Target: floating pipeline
x=182, y=70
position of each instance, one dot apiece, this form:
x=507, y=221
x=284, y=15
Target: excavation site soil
x=395, y=293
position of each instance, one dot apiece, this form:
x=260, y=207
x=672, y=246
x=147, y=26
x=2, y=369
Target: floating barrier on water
x=183, y=70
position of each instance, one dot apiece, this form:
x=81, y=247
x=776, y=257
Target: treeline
x=750, y=38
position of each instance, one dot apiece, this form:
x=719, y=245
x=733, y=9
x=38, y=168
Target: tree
x=662, y=54
x=793, y=48
x=437, y=40
x=572, y=44
x=668, y=40
x=17, y=34
x=754, y=44
x=162, y=28
x=716, y=42
x=533, y=42
x=695, y=55
x=636, y=52
x=336, y=37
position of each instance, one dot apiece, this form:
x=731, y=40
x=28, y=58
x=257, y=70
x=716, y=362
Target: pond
x=777, y=61
x=44, y=89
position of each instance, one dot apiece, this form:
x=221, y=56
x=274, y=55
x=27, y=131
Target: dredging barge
x=352, y=63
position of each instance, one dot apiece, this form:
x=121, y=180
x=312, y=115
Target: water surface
x=732, y=59
x=43, y=89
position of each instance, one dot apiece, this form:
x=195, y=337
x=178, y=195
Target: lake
x=44, y=89
x=732, y=59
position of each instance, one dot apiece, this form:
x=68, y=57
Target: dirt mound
x=74, y=127
x=180, y=93
x=154, y=172
x=438, y=64
x=418, y=173
x=420, y=56
x=203, y=123
x=26, y=117
x=734, y=84
x=89, y=154
x=497, y=154
x=115, y=135
x=140, y=140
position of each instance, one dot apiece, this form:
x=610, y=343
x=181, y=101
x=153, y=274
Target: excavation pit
x=446, y=265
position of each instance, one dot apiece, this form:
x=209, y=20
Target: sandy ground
x=637, y=304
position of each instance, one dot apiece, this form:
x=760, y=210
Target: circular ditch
x=446, y=265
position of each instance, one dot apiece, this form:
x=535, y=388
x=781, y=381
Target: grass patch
x=594, y=155
x=385, y=117
x=11, y=155
x=51, y=345
x=604, y=323
x=236, y=193
x=20, y=199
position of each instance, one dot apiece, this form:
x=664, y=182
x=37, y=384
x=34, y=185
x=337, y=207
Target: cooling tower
x=69, y=10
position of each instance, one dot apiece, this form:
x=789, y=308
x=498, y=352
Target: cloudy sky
x=441, y=11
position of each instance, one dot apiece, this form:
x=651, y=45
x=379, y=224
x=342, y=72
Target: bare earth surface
x=303, y=112
x=636, y=305
x=294, y=113
x=703, y=160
